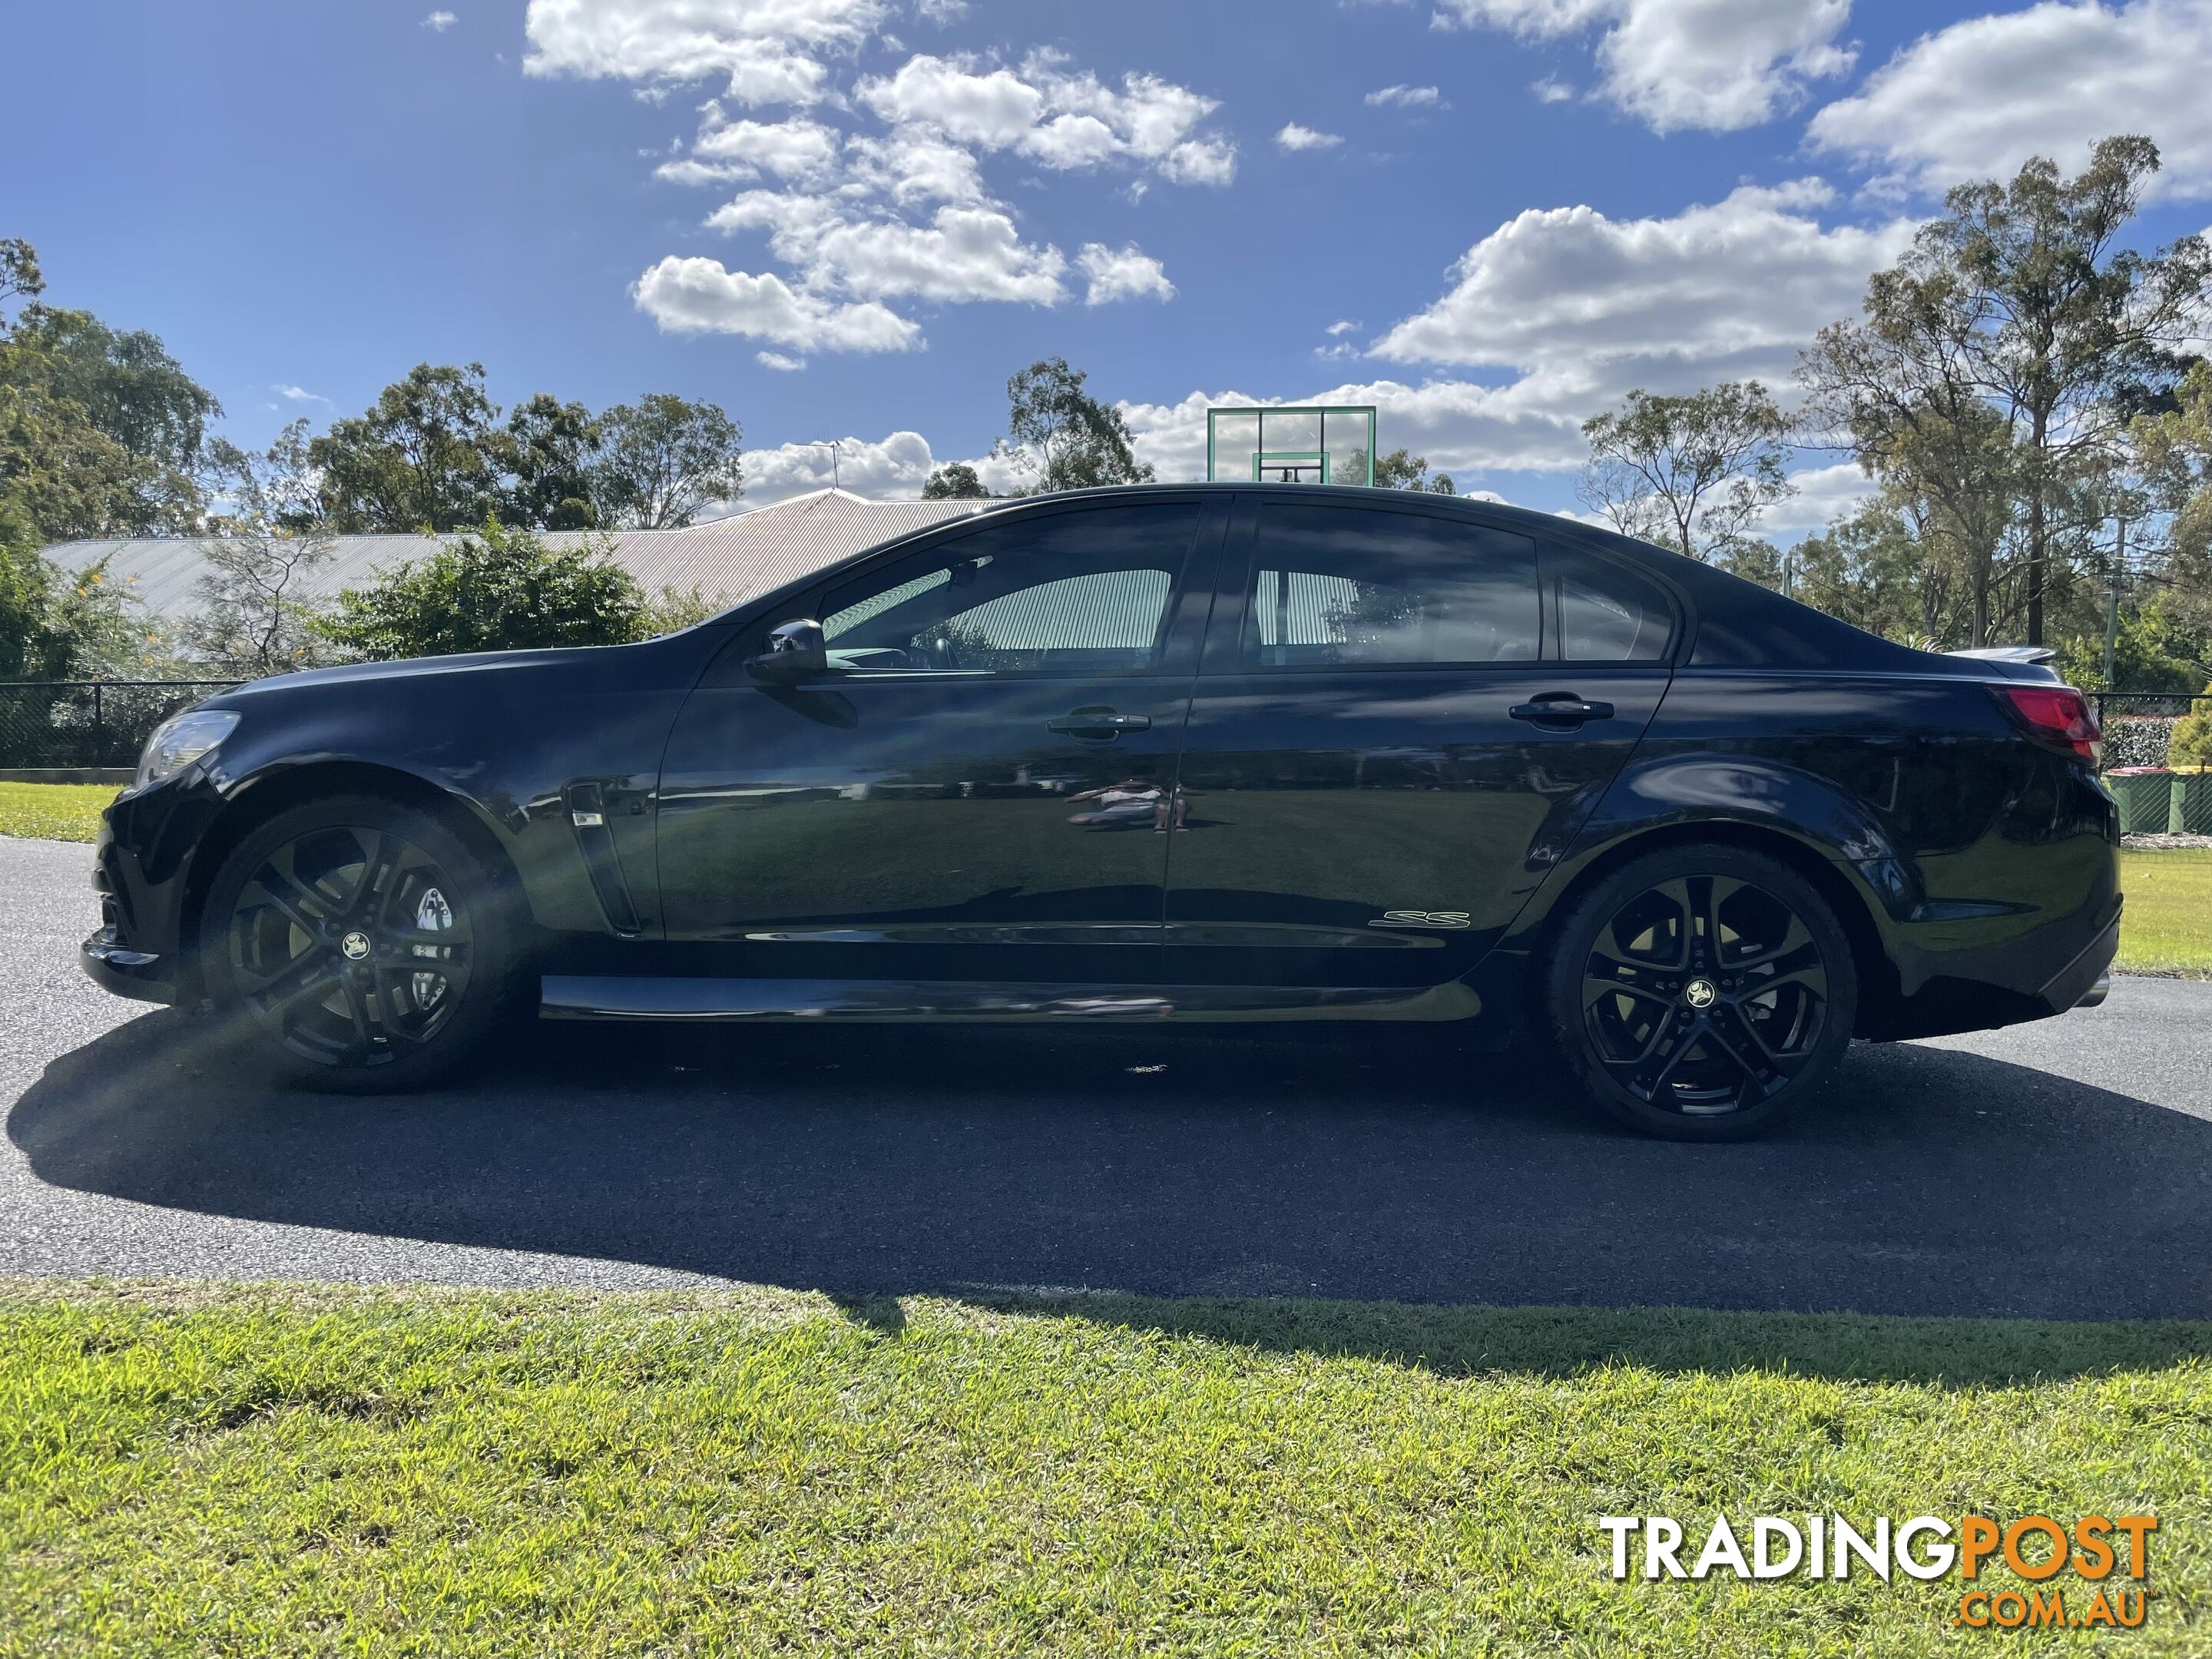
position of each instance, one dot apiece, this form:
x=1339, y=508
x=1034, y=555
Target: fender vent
x=587, y=816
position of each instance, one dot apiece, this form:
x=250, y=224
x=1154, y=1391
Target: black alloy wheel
x=1697, y=993
x=355, y=944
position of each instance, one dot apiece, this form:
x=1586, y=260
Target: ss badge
x=1421, y=919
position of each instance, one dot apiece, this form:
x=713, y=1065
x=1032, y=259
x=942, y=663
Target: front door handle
x=1100, y=723
x=1563, y=710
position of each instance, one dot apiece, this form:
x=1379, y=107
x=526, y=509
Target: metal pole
x=99, y=737
x=2112, y=601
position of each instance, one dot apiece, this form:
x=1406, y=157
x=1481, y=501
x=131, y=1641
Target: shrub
x=492, y=589
x=2193, y=738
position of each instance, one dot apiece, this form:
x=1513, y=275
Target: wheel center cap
x=355, y=946
x=1700, y=993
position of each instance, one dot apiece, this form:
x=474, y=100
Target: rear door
x=1400, y=721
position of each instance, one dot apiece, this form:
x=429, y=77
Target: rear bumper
x=2084, y=979
x=139, y=975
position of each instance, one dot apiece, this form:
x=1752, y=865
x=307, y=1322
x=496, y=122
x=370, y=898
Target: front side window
x=1339, y=586
x=1073, y=593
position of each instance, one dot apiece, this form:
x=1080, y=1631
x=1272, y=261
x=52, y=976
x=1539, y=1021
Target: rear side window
x=1339, y=587
x=1602, y=612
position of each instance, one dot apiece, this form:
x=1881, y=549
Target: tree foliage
x=1062, y=436
x=956, y=480
x=427, y=455
x=493, y=588
x=253, y=614
x=662, y=459
x=1996, y=366
x=1691, y=473
x=548, y=453
x=1403, y=470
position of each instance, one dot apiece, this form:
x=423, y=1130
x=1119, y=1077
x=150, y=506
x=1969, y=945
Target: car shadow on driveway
x=1364, y=1166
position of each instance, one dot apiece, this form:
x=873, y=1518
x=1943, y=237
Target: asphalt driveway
x=2062, y=1169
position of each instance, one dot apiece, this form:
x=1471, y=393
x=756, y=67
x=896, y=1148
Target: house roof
x=732, y=559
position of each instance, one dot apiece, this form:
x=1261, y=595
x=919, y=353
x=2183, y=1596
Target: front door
x=1402, y=718
x=980, y=787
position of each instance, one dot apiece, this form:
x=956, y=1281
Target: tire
x=357, y=945
x=1688, y=1040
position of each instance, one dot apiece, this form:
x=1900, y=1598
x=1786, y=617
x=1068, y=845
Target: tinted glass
x=1075, y=593
x=1606, y=614
x=1344, y=586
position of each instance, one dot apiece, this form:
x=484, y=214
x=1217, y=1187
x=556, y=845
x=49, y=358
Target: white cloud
x=962, y=254
x=1551, y=90
x=1824, y=494
x=1748, y=278
x=1403, y=97
x=769, y=50
x=695, y=296
x=1716, y=65
x=896, y=467
x=1122, y=273
x=1059, y=119
x=1976, y=100
x=796, y=149
x=1296, y=138
x=1341, y=327
x=1199, y=161
x=941, y=12
x=439, y=21
x=871, y=216
x=778, y=361
x=299, y=394
x=1579, y=308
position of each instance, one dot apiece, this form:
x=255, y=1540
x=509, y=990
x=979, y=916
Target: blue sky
x=853, y=219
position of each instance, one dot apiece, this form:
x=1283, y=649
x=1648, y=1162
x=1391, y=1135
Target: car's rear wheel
x=356, y=945
x=1699, y=993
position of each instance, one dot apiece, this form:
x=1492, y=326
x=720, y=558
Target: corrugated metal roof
x=734, y=558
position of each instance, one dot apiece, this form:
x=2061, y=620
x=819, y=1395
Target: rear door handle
x=1099, y=723
x=1560, y=711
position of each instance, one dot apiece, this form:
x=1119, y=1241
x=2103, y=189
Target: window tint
x=1605, y=613
x=1337, y=586
x=1084, y=592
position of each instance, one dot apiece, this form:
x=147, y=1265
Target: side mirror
x=796, y=651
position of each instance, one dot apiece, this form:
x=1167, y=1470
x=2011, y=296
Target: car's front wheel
x=1698, y=994
x=355, y=944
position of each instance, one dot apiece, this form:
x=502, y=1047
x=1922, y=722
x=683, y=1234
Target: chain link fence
x=88, y=723
x=2139, y=724
x=2158, y=794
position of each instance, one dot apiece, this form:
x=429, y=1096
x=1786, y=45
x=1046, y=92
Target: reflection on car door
x=1388, y=746
x=980, y=787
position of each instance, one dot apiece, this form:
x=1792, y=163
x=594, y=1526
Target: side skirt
x=614, y=996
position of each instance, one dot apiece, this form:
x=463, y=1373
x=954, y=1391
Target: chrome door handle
x=1562, y=711
x=1099, y=723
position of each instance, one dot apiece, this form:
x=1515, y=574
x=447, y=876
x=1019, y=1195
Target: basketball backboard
x=1290, y=446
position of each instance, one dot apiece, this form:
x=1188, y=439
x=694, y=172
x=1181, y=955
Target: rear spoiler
x=2035, y=656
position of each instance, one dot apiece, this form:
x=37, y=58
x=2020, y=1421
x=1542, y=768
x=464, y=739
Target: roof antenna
x=830, y=444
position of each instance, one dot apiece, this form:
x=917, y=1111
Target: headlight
x=182, y=739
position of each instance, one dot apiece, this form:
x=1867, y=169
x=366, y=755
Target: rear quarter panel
x=1982, y=860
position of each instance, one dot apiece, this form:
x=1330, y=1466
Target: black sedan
x=1205, y=753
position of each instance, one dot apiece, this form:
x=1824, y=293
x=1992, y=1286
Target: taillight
x=2055, y=714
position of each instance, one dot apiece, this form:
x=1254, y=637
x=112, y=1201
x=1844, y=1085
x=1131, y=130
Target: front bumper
x=137, y=973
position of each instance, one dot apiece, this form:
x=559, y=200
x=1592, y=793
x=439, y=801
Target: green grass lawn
x=2168, y=926
x=53, y=811
x=275, y=1471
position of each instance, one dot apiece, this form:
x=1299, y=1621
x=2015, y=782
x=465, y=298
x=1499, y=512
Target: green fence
x=88, y=723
